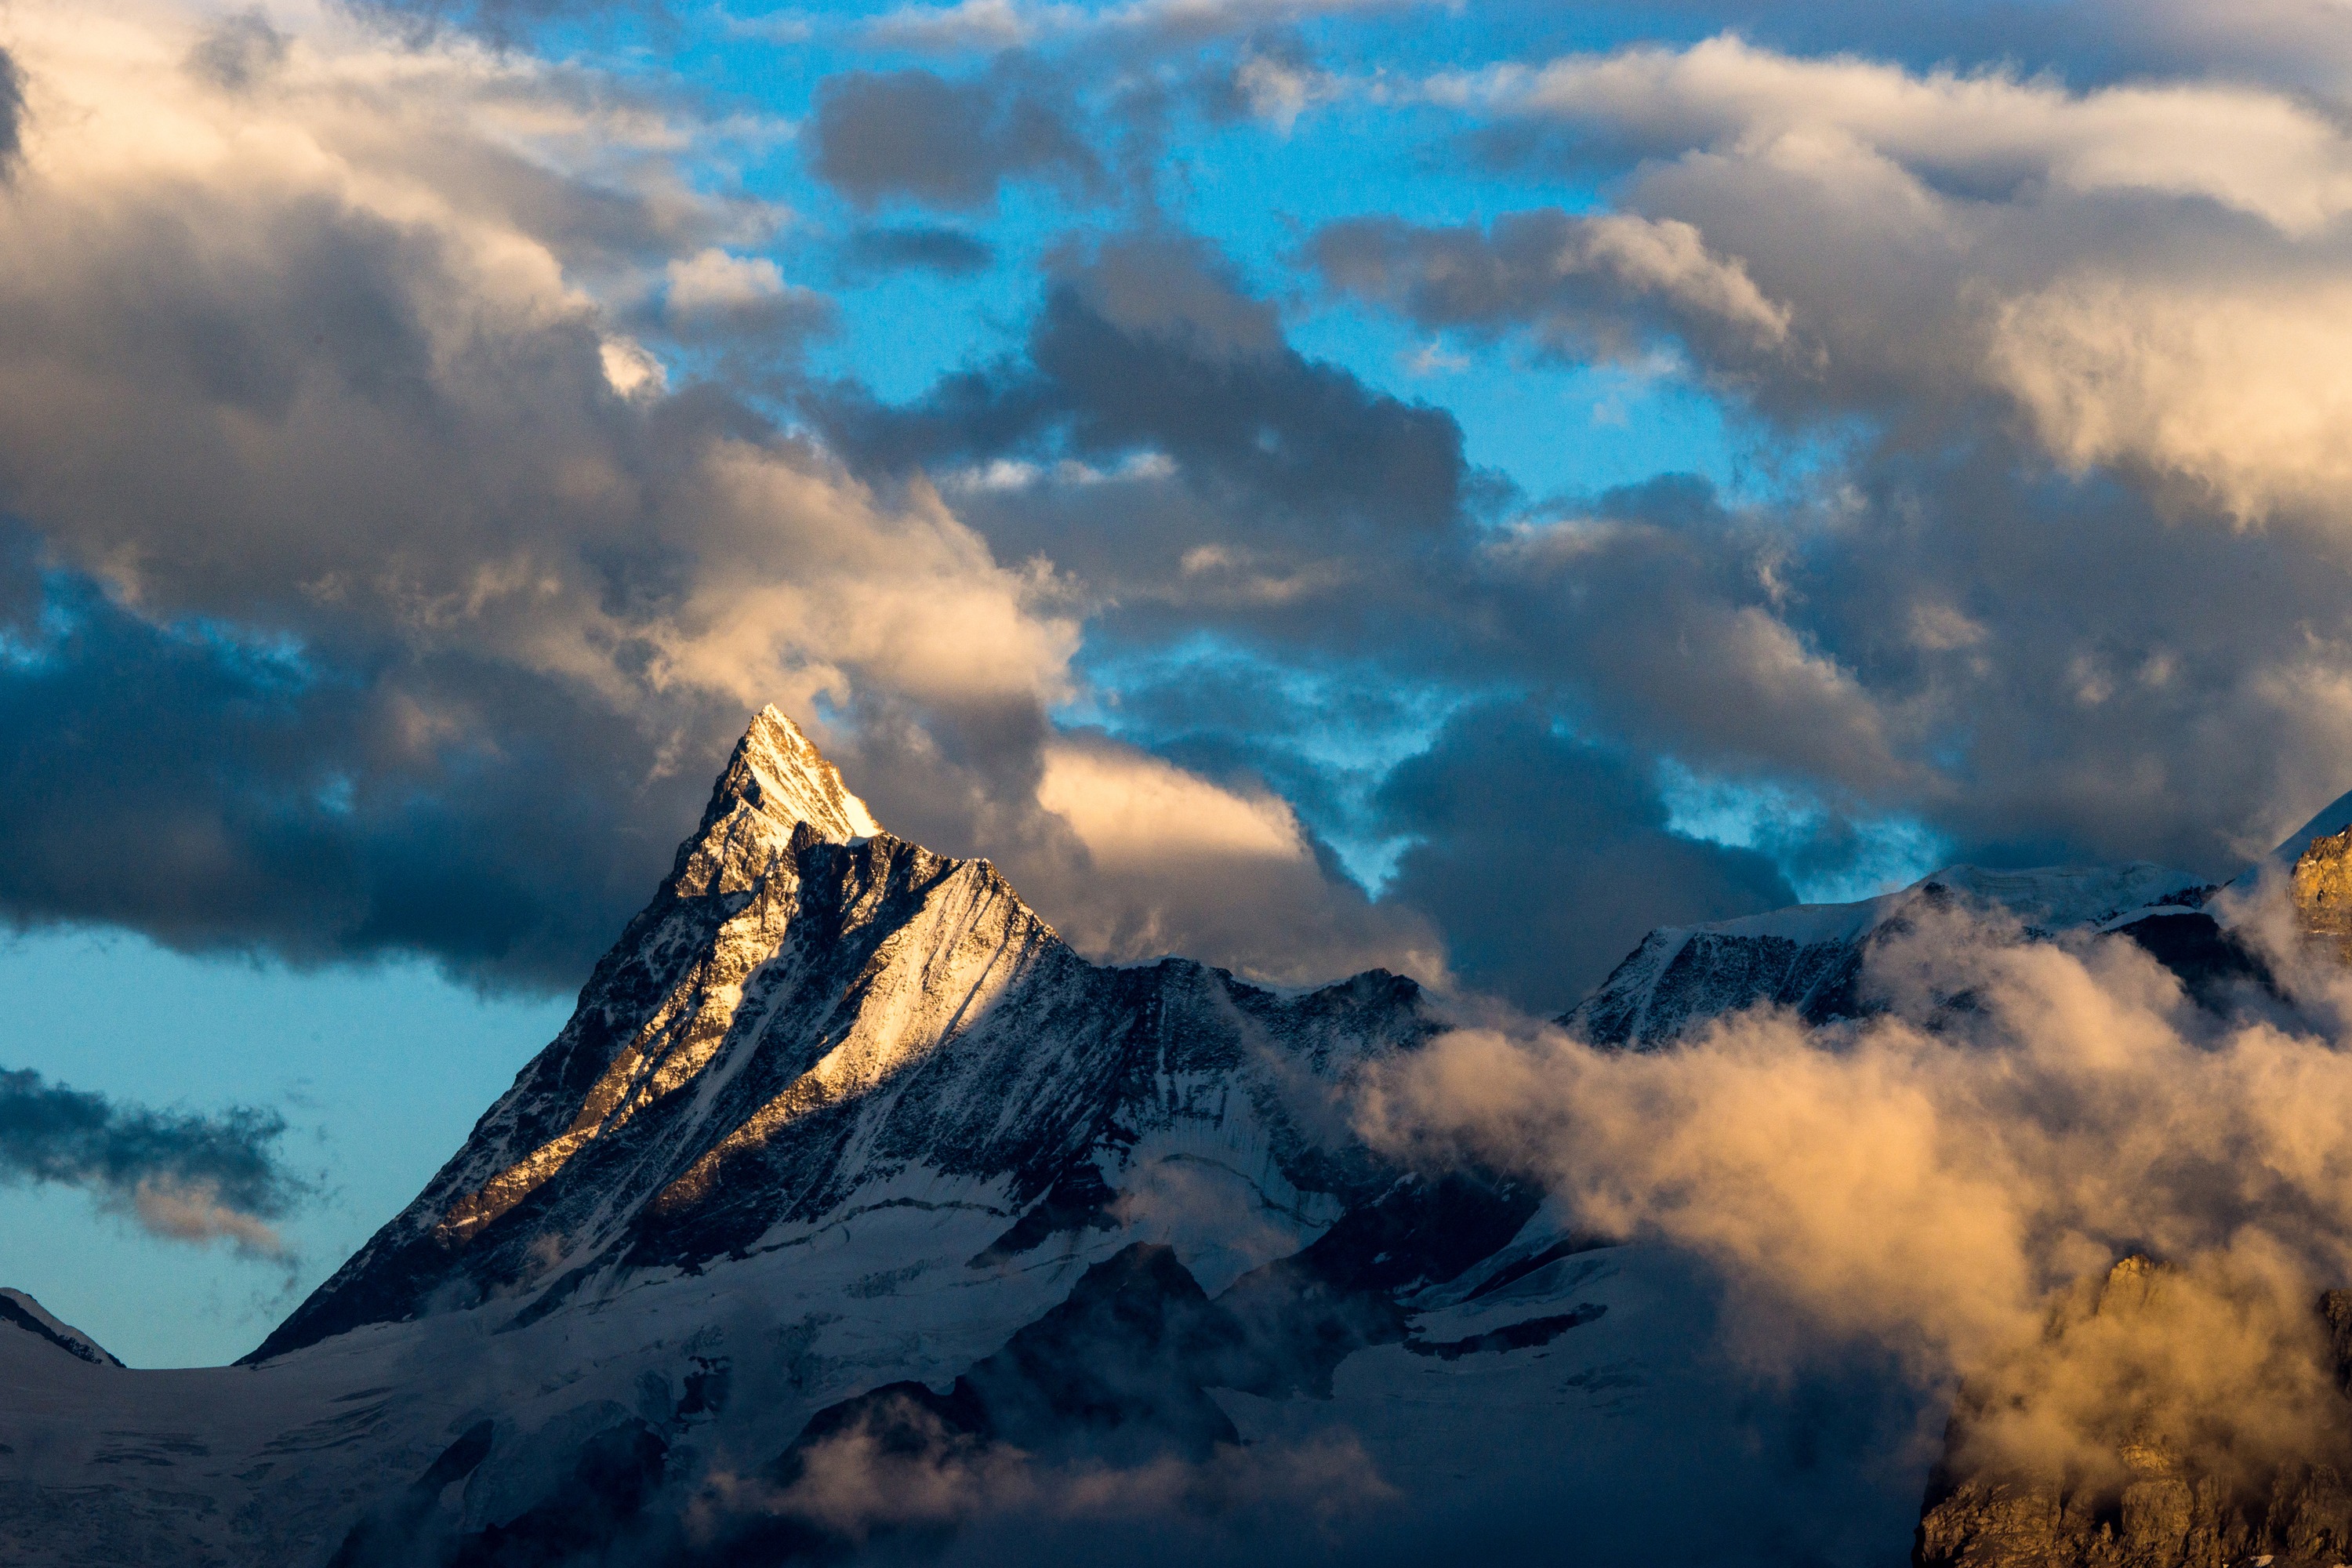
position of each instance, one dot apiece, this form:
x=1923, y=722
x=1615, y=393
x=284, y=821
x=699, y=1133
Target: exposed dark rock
x=1510, y=1336
x=617, y=1473
x=2153, y=1500
x=20, y=1310
x=1079, y=1201
x=2213, y=964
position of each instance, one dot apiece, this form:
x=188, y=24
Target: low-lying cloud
x=181, y=1175
x=1948, y=1177
x=906, y=1472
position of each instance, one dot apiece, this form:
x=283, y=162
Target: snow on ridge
x=24, y=1312
x=792, y=779
x=2049, y=896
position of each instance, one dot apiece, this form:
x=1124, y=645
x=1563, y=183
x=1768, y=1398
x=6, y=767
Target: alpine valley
x=855, y=1214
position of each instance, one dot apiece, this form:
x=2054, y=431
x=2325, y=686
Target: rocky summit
x=814, y=1019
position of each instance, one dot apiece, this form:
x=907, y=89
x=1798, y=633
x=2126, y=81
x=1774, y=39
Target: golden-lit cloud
x=1942, y=1177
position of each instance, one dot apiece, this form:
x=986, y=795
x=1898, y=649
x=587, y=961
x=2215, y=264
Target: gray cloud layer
x=914, y=133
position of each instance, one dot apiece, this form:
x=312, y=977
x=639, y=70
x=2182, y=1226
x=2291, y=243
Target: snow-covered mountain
x=852, y=1203
x=853, y=1208
x=814, y=1019
x=1809, y=957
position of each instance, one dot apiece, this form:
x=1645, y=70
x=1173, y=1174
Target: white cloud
x=713, y=280
x=1130, y=809
x=2242, y=386
x=2258, y=151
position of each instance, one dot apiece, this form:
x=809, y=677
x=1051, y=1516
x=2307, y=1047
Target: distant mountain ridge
x=1809, y=958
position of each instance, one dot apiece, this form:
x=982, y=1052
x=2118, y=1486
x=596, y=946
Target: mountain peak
x=777, y=770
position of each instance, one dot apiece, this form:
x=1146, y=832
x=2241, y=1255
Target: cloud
x=2029, y=329
x=415, y=416
x=240, y=51
x=897, y=1471
x=2230, y=388
x=947, y=251
x=1128, y=807
x=992, y=24
x=1276, y=480
x=340, y=545
x=918, y=135
x=1171, y=862
x=713, y=280
x=179, y=1175
x=1163, y=443
x=2248, y=148
x=12, y=114
x=1579, y=283
x=1939, y=1179
x=1545, y=858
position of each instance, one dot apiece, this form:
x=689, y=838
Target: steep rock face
x=1810, y=958
x=2152, y=1500
x=813, y=1013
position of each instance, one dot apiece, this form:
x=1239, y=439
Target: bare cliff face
x=2321, y=888
x=2156, y=1491
x=813, y=1013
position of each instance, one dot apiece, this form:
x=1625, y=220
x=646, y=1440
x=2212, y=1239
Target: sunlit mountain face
x=1491, y=780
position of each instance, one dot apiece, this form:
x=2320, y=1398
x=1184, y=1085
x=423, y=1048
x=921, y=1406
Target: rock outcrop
x=2153, y=1495
x=2321, y=888
x=18, y=1310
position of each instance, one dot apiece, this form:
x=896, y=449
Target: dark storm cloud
x=949, y=252
x=226, y=795
x=1148, y=348
x=182, y=1175
x=1544, y=858
x=916, y=135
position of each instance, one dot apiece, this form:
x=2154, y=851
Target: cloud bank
x=417, y=457
x=365, y=544
x=1951, y=1178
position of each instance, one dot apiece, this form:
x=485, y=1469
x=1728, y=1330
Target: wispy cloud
x=182, y=1175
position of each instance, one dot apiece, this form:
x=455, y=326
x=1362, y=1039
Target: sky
x=1308, y=484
